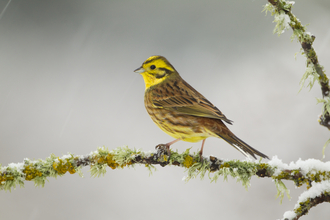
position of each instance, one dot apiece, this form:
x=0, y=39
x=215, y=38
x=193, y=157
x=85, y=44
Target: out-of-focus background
x=67, y=85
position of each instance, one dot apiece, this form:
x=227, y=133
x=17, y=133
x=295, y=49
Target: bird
x=181, y=111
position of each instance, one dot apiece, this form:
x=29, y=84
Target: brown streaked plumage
x=182, y=112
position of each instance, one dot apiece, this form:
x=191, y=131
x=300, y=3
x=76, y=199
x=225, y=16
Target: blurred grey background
x=67, y=85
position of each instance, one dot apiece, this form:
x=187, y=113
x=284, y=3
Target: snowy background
x=67, y=85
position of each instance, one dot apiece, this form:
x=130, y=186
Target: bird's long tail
x=243, y=147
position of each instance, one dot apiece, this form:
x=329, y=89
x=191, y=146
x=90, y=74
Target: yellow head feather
x=155, y=70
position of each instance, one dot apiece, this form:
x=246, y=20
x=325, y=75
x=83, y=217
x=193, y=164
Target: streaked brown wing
x=179, y=96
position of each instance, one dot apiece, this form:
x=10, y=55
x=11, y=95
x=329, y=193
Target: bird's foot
x=163, y=149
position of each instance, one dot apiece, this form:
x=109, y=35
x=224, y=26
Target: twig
x=317, y=194
x=282, y=7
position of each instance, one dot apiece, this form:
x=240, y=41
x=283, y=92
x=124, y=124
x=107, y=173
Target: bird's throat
x=150, y=80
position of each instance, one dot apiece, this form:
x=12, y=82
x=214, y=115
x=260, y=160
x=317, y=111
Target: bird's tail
x=243, y=147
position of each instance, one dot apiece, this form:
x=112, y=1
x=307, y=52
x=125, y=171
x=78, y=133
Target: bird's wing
x=179, y=96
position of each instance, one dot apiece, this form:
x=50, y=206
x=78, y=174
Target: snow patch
x=316, y=190
x=289, y=215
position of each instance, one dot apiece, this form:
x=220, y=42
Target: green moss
x=10, y=177
x=197, y=168
x=179, y=157
x=242, y=171
x=326, y=104
x=123, y=156
x=151, y=168
x=309, y=74
x=98, y=170
x=281, y=190
x=262, y=166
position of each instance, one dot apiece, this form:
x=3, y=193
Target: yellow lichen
x=188, y=161
x=224, y=165
x=4, y=178
x=164, y=157
x=63, y=166
x=31, y=172
x=304, y=207
x=111, y=162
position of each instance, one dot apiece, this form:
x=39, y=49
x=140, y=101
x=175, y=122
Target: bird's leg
x=201, y=151
x=167, y=146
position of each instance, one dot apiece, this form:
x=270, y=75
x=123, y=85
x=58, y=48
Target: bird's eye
x=152, y=67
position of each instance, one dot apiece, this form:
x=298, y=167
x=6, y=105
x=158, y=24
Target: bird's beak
x=139, y=70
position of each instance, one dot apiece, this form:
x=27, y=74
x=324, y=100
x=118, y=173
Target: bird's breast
x=179, y=125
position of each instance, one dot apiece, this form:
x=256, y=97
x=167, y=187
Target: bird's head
x=155, y=70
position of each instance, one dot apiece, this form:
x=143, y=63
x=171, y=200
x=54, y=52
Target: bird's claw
x=163, y=149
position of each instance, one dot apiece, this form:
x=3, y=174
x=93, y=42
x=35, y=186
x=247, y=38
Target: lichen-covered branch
x=285, y=19
x=314, y=173
x=38, y=171
x=301, y=172
x=309, y=172
x=317, y=178
x=318, y=193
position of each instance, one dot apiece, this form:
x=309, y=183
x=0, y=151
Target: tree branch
x=318, y=186
x=318, y=193
x=301, y=172
x=309, y=172
x=284, y=18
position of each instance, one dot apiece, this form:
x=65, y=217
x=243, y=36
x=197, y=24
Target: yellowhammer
x=182, y=112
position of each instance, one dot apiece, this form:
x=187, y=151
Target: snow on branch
x=318, y=193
